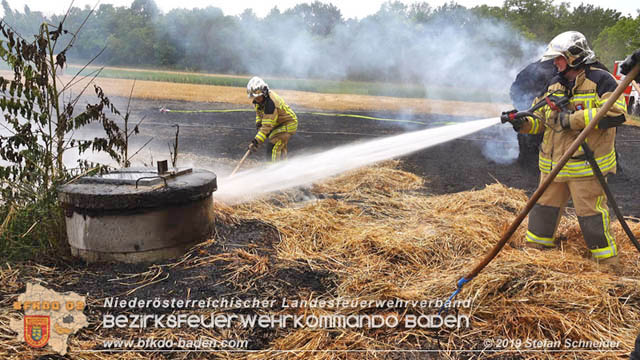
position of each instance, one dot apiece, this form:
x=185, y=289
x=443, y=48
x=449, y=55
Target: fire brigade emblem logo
x=579, y=106
x=50, y=318
x=36, y=330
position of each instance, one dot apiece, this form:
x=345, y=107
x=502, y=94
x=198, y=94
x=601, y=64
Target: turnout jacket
x=274, y=116
x=588, y=92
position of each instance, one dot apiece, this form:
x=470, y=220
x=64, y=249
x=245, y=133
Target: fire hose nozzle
x=508, y=116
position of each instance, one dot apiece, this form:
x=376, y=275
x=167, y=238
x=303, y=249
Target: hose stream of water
x=306, y=169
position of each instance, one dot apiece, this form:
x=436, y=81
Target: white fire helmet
x=257, y=87
x=571, y=45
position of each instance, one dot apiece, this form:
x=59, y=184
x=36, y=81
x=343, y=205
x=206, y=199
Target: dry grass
x=385, y=241
x=299, y=99
x=381, y=237
x=156, y=90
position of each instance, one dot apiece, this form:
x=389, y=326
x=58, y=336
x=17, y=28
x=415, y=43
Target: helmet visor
x=550, y=54
x=255, y=93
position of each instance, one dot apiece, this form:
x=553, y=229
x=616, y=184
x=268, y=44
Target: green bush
x=33, y=229
x=39, y=122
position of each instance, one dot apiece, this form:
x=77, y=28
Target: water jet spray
x=306, y=169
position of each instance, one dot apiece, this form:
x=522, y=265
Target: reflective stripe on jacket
x=591, y=89
x=275, y=117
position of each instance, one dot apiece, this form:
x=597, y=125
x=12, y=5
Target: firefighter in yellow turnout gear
x=275, y=120
x=587, y=87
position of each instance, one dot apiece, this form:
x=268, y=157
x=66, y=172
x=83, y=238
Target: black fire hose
x=588, y=153
x=547, y=181
x=556, y=100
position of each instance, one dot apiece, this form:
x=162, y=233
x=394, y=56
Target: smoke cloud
x=501, y=146
x=452, y=53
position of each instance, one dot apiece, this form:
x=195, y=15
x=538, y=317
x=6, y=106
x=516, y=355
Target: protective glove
x=511, y=117
x=611, y=121
x=563, y=119
x=253, y=145
x=258, y=125
x=560, y=101
x=630, y=62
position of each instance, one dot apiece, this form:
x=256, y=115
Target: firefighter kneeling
x=585, y=87
x=274, y=120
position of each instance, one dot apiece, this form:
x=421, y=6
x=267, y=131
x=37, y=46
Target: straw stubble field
x=371, y=234
x=374, y=234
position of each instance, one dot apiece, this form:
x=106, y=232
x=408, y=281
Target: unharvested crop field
x=405, y=229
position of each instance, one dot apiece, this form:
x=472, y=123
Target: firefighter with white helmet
x=572, y=46
x=582, y=85
x=275, y=120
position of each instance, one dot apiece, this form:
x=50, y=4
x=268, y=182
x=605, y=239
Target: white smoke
x=501, y=145
x=453, y=55
x=470, y=53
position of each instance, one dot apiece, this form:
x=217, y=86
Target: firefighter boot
x=532, y=245
x=611, y=264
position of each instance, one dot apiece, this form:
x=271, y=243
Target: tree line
x=309, y=38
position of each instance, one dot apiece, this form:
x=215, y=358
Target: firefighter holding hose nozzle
x=275, y=121
x=571, y=101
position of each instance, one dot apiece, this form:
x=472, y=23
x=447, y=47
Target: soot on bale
x=138, y=214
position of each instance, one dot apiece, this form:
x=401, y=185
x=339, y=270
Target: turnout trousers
x=591, y=207
x=278, y=140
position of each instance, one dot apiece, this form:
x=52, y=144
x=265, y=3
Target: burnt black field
x=459, y=165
